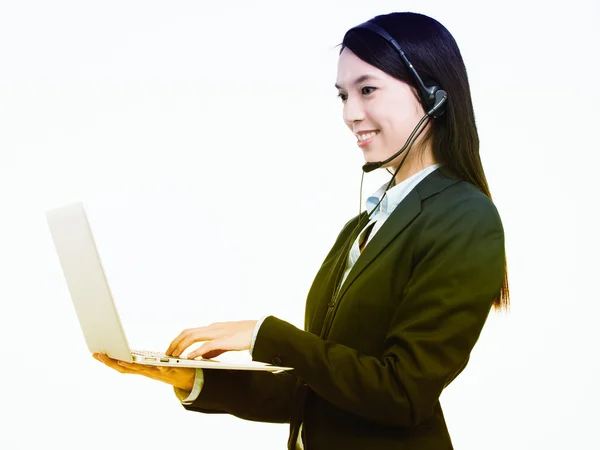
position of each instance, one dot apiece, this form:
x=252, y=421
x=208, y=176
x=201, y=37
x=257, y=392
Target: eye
x=368, y=87
x=365, y=91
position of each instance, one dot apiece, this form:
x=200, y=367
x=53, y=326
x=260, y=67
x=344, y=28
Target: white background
x=208, y=145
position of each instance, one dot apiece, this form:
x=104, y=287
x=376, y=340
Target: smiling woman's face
x=377, y=102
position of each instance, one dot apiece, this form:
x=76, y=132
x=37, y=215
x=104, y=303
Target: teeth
x=362, y=137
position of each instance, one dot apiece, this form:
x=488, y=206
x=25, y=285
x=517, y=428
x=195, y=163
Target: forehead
x=351, y=70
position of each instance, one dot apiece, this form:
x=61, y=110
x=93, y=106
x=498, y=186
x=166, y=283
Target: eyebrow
x=359, y=80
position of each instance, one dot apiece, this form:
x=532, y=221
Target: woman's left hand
x=180, y=377
x=220, y=336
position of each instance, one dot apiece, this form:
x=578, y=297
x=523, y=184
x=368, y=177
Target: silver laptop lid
x=87, y=282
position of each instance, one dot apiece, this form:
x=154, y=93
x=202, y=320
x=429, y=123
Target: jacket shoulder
x=461, y=195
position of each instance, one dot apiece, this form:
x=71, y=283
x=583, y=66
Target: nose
x=353, y=110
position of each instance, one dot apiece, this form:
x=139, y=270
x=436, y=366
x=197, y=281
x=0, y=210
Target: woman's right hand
x=180, y=377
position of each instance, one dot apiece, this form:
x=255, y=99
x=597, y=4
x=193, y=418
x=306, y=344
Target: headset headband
x=433, y=97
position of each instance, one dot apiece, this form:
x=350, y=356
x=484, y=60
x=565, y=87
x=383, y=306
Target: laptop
x=93, y=301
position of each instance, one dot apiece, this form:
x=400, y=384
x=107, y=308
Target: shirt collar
x=396, y=193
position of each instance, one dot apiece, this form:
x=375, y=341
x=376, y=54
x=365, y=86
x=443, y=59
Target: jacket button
x=276, y=361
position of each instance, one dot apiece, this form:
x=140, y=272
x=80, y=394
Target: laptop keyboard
x=148, y=353
x=157, y=355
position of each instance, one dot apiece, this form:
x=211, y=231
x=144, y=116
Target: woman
x=400, y=300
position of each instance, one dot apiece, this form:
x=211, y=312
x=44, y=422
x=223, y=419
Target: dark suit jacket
x=405, y=322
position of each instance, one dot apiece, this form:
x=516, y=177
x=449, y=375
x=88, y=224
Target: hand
x=221, y=337
x=181, y=377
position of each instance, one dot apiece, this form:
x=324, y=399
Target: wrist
x=185, y=380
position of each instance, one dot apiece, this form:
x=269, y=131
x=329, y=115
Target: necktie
x=365, y=236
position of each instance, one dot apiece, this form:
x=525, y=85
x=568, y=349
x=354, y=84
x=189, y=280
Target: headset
x=434, y=100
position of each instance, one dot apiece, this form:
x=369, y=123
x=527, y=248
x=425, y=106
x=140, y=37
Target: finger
x=133, y=366
x=201, y=334
x=158, y=373
x=177, y=342
x=154, y=372
x=112, y=363
x=144, y=369
x=173, y=345
x=122, y=366
x=201, y=351
x=97, y=356
x=212, y=354
x=216, y=347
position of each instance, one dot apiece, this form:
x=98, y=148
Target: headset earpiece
x=439, y=104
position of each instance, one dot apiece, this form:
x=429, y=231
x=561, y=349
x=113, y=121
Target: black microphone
x=370, y=166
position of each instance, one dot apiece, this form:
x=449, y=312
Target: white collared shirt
x=392, y=199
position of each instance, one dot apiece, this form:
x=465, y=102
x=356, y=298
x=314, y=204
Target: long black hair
x=436, y=57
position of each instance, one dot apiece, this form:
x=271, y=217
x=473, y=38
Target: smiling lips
x=365, y=138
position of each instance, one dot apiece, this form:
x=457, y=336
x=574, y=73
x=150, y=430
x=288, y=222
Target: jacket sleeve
x=251, y=395
x=188, y=397
x=458, y=272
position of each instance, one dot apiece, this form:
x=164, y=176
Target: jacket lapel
x=401, y=217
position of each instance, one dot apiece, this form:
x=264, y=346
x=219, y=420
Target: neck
x=413, y=164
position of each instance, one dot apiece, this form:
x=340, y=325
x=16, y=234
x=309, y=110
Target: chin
x=373, y=157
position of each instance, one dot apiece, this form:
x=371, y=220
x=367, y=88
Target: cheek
x=390, y=133
x=396, y=127
x=389, y=117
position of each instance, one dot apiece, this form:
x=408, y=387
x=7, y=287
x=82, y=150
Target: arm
x=257, y=396
x=459, y=269
x=250, y=395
